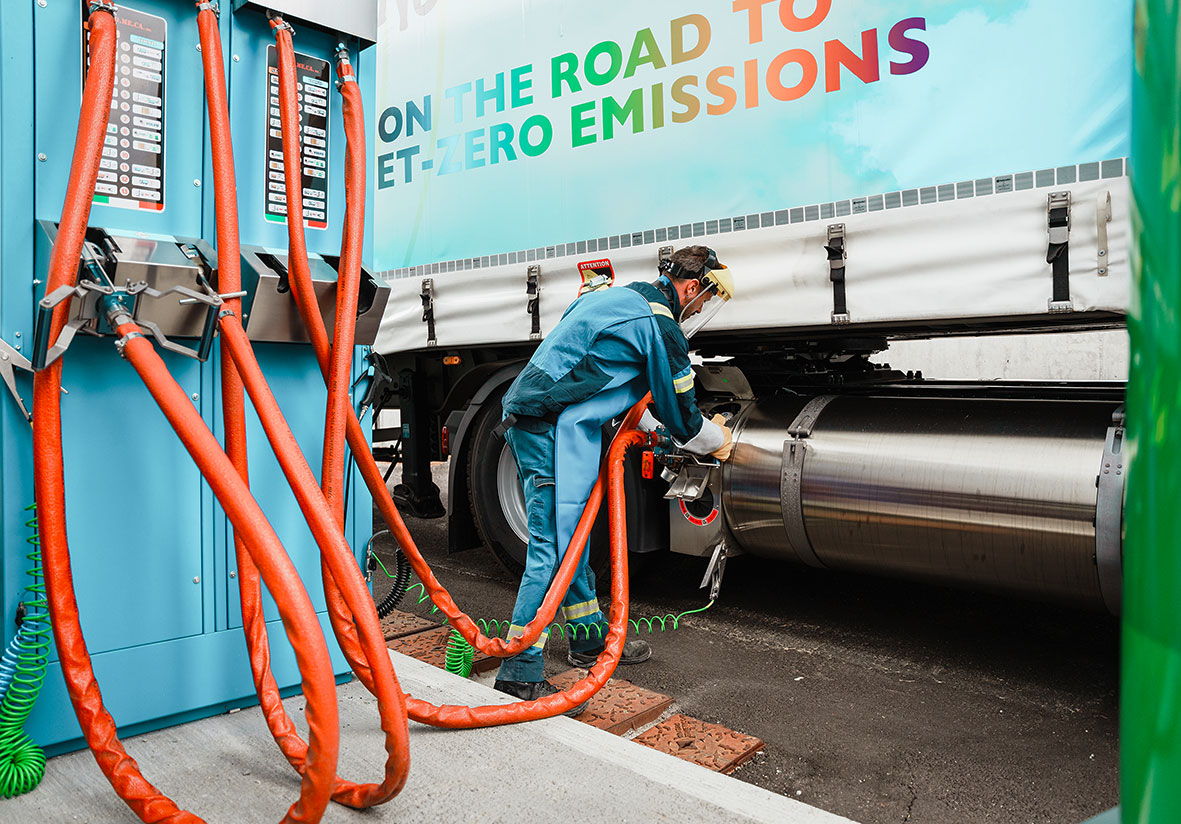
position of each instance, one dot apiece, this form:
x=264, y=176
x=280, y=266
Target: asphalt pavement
x=879, y=700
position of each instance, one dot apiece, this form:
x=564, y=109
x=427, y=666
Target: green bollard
x=1150, y=714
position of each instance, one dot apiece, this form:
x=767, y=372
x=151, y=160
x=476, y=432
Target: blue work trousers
x=534, y=452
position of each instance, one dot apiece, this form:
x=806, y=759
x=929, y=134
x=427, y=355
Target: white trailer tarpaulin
x=556, y=132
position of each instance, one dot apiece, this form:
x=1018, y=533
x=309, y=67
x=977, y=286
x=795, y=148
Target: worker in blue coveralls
x=610, y=348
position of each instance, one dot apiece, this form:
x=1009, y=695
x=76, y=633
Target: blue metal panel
x=299, y=389
x=16, y=296
x=132, y=504
x=58, y=67
x=151, y=553
x=146, y=688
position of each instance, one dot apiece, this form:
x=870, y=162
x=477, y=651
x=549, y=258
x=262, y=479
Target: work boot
x=636, y=651
x=532, y=690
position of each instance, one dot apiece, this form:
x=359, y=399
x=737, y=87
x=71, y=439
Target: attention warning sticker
x=311, y=83
x=131, y=172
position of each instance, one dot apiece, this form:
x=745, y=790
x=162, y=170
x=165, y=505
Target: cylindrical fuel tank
x=993, y=494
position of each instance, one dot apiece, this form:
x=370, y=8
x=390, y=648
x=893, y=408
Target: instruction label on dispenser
x=131, y=172
x=311, y=83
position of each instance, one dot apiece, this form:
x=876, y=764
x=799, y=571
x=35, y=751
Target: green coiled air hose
x=22, y=763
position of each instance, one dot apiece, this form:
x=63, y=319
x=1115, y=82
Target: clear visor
x=700, y=310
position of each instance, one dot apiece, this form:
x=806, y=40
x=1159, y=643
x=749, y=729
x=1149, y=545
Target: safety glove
x=722, y=453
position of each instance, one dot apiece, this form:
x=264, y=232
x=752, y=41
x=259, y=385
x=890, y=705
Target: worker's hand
x=648, y=422
x=722, y=453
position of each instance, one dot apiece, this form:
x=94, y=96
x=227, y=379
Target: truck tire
x=498, y=505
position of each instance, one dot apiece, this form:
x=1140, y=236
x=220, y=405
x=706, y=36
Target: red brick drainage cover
x=619, y=706
x=710, y=745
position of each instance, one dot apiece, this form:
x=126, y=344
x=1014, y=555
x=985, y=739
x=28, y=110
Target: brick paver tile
x=710, y=745
x=398, y=624
x=619, y=706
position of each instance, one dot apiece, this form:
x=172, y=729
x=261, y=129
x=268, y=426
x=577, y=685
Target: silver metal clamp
x=795, y=450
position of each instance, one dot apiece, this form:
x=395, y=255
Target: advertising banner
x=509, y=126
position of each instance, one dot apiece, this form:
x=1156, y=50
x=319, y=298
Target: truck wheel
x=498, y=505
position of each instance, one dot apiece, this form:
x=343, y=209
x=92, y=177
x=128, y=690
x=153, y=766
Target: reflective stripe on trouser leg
x=582, y=613
x=534, y=453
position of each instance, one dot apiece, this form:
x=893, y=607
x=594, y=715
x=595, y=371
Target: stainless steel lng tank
x=998, y=494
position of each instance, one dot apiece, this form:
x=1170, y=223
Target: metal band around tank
x=1109, y=511
x=791, y=503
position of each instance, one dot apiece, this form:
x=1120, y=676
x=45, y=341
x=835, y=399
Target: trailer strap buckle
x=533, y=307
x=1058, y=250
x=428, y=309
x=835, y=247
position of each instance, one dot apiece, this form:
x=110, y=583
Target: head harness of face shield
x=714, y=278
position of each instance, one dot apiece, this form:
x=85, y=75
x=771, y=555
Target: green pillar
x=1150, y=716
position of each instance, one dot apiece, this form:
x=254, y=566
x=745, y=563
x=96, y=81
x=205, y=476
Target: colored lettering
x=918, y=50
x=633, y=109
x=837, y=54
x=644, y=51
x=726, y=95
x=502, y=141
x=614, y=54
x=521, y=84
x=580, y=122
x=687, y=99
x=807, y=64
x=677, y=31
x=539, y=121
x=564, y=68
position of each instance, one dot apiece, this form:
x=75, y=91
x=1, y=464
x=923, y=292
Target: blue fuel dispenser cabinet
x=153, y=556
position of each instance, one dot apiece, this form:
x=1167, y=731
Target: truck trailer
x=870, y=176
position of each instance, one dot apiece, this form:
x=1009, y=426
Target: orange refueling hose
x=450, y=716
x=337, y=561
x=301, y=287
x=295, y=607
x=258, y=548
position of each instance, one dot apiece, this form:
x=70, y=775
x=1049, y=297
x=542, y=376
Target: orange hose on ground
x=279, y=723
x=97, y=725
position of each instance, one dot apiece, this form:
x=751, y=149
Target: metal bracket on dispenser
x=428, y=310
x=795, y=450
x=10, y=360
x=92, y=288
x=1102, y=218
x=1109, y=513
x=533, y=307
x=837, y=254
x=1058, y=250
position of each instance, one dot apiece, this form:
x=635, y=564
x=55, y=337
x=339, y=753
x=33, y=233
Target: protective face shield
x=717, y=287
